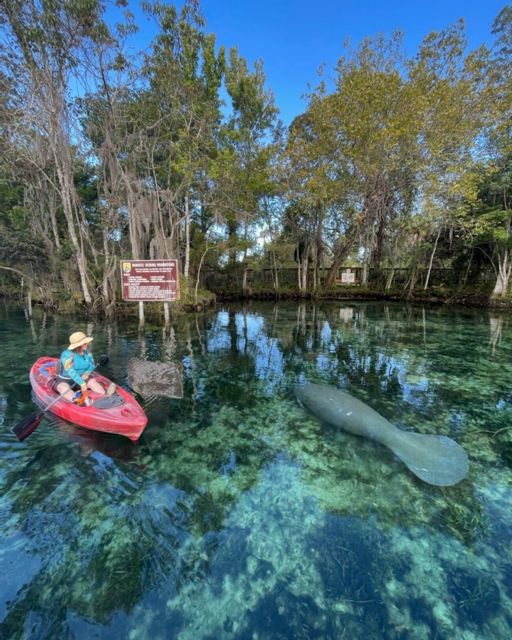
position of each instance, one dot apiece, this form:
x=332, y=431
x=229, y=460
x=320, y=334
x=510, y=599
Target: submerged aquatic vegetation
x=241, y=515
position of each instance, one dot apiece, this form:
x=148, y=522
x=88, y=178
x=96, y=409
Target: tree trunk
x=466, y=273
x=429, y=271
x=132, y=220
x=245, y=287
x=366, y=257
x=232, y=226
x=299, y=266
x=504, y=272
x=312, y=270
x=390, y=278
x=274, y=272
x=186, y=266
x=412, y=281
x=67, y=188
x=364, y=273
x=341, y=252
x=107, y=285
x=199, y=272
x=304, y=270
x=53, y=220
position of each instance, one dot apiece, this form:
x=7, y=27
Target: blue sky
x=295, y=37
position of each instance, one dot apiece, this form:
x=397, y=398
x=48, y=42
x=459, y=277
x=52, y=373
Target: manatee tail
x=437, y=460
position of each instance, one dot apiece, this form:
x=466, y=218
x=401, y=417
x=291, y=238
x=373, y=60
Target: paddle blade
x=28, y=425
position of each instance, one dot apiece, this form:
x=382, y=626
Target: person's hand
x=83, y=387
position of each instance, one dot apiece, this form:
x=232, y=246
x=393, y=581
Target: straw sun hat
x=77, y=339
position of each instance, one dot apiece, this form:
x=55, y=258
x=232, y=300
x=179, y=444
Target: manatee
x=435, y=459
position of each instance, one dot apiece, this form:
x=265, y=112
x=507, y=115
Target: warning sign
x=348, y=276
x=149, y=280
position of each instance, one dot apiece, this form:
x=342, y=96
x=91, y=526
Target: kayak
x=119, y=413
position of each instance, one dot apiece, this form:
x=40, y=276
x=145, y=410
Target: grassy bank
x=74, y=304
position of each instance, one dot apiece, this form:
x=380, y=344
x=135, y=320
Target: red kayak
x=119, y=413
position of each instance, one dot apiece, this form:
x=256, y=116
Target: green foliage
x=381, y=171
x=492, y=218
x=19, y=246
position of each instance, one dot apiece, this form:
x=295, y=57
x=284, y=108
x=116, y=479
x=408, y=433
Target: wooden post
x=141, y=316
x=166, y=316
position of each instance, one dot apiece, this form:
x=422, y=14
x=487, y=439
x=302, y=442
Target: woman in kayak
x=75, y=367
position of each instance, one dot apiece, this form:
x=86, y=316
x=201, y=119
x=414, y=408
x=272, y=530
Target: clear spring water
x=240, y=516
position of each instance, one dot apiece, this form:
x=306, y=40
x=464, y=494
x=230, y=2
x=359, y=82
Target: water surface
x=238, y=515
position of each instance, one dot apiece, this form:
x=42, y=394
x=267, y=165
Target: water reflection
x=238, y=514
x=346, y=314
x=495, y=329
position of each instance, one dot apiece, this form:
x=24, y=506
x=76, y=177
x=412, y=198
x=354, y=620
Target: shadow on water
x=115, y=447
x=240, y=515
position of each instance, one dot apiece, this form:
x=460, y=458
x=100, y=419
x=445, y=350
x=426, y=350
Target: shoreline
x=154, y=310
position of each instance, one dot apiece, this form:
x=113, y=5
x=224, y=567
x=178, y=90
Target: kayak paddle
x=28, y=425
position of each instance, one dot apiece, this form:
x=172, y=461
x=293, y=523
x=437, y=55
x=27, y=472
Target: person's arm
x=68, y=368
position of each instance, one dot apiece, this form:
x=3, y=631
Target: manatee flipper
x=438, y=460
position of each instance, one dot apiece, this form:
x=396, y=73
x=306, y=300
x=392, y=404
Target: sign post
x=150, y=281
x=141, y=314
